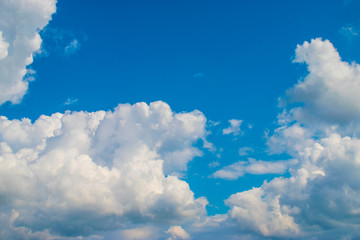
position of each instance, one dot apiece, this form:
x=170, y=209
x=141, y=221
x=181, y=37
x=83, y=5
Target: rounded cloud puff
x=80, y=173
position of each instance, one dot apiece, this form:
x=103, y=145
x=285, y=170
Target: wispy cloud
x=70, y=101
x=214, y=164
x=346, y=3
x=72, y=47
x=349, y=32
x=198, y=75
x=244, y=151
x=61, y=42
x=234, y=127
x=252, y=166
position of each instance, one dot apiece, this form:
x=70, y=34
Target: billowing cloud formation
x=330, y=92
x=321, y=197
x=255, y=211
x=81, y=173
x=20, y=23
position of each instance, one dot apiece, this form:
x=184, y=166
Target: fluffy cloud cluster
x=81, y=173
x=320, y=200
x=20, y=23
x=115, y=173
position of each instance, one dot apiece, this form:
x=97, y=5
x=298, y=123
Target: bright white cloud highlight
x=81, y=173
x=20, y=23
x=234, y=127
x=3, y=47
x=255, y=211
x=177, y=232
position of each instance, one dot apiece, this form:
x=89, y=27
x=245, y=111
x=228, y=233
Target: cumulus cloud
x=255, y=211
x=320, y=199
x=80, y=173
x=234, y=127
x=253, y=166
x=330, y=91
x=19, y=41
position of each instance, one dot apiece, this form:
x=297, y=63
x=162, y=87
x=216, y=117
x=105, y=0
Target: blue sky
x=250, y=112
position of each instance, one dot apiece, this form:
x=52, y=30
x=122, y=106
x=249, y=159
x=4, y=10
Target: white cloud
x=20, y=23
x=70, y=101
x=290, y=138
x=253, y=210
x=214, y=164
x=142, y=233
x=349, y=32
x=320, y=197
x=234, y=127
x=257, y=167
x=80, y=173
x=72, y=47
x=3, y=47
x=330, y=91
x=177, y=232
x=244, y=151
x=320, y=200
